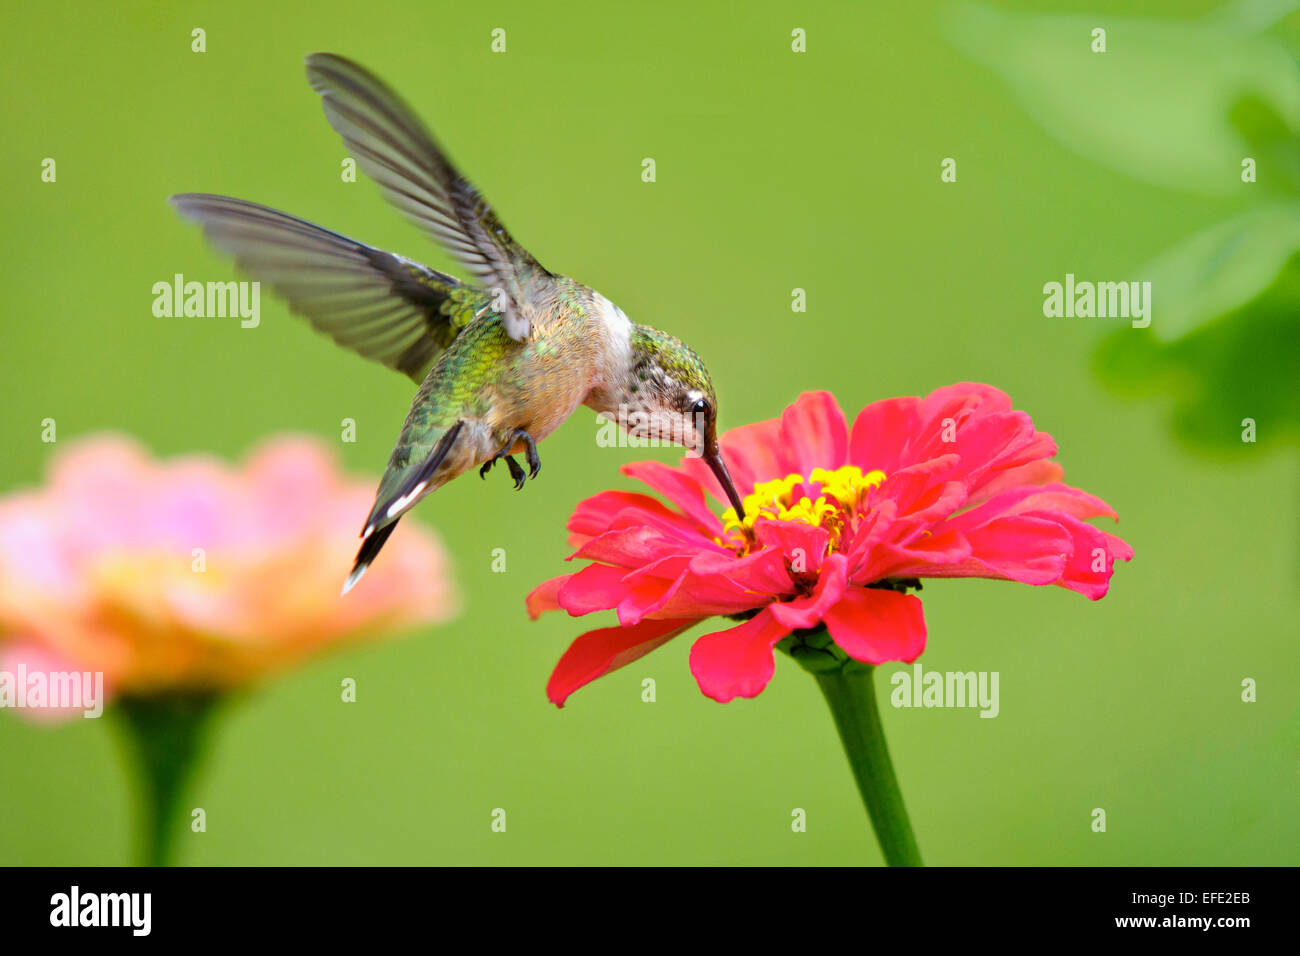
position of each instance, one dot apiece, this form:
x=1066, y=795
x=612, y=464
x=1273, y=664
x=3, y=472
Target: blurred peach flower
x=192, y=575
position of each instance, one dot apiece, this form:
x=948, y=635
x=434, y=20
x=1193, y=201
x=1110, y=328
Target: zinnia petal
x=596, y=653
x=955, y=484
x=882, y=432
x=874, y=625
x=544, y=597
x=191, y=573
x=815, y=433
x=807, y=611
x=739, y=661
x=679, y=488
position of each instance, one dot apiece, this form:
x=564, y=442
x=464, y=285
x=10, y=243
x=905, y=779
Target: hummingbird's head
x=669, y=397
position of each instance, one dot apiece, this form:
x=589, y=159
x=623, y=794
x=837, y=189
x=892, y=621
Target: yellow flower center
x=839, y=497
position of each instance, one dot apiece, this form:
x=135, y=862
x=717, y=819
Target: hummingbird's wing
x=398, y=152
x=376, y=303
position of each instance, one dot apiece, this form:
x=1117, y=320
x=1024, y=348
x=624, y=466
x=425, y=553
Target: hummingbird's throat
x=832, y=500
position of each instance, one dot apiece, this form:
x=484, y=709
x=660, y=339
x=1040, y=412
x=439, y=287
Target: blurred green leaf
x=1245, y=364
x=1156, y=105
x=1270, y=142
x=1220, y=269
x=1251, y=14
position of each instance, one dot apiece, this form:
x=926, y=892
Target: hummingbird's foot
x=530, y=452
x=516, y=471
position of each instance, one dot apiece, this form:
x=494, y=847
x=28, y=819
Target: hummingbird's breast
x=579, y=347
x=579, y=342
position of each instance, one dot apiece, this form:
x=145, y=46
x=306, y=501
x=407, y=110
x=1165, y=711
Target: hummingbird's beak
x=713, y=456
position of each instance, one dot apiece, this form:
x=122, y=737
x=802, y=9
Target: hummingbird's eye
x=701, y=407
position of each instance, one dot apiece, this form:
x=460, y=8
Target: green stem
x=851, y=694
x=166, y=734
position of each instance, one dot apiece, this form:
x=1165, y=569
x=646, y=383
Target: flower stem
x=851, y=694
x=166, y=734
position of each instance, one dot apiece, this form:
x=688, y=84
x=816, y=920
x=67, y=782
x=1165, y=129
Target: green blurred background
x=775, y=170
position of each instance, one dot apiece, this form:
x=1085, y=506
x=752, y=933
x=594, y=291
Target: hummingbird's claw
x=530, y=452
x=516, y=470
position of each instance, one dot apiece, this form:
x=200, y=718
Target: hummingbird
x=501, y=358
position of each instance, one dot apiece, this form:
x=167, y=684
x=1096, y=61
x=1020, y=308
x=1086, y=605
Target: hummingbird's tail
x=369, y=549
x=404, y=483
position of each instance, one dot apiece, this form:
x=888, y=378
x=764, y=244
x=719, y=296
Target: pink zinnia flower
x=192, y=575
x=838, y=524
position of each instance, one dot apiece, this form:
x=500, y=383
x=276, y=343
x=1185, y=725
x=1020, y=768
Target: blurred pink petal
x=190, y=573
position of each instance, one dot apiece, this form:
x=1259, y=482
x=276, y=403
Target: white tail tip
x=353, y=578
